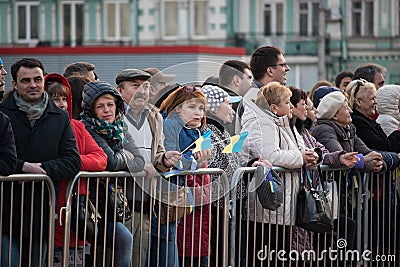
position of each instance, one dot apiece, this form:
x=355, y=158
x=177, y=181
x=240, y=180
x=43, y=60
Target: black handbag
x=118, y=203
x=82, y=217
x=314, y=207
x=269, y=187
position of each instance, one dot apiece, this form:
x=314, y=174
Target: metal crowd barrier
x=366, y=231
x=31, y=197
x=208, y=198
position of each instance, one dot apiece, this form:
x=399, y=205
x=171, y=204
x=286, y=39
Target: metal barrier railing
x=365, y=228
x=202, y=199
x=367, y=225
x=27, y=202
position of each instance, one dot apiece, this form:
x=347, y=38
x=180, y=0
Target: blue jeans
x=123, y=242
x=160, y=249
x=35, y=259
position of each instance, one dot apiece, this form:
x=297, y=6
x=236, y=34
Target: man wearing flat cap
x=145, y=125
x=158, y=81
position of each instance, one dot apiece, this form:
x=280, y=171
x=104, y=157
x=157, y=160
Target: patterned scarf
x=33, y=112
x=114, y=130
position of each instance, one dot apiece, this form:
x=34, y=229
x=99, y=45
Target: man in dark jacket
x=46, y=145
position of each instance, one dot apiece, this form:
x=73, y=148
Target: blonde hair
x=272, y=93
x=359, y=88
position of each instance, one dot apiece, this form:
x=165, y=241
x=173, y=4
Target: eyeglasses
x=191, y=87
x=359, y=83
x=284, y=65
x=248, y=76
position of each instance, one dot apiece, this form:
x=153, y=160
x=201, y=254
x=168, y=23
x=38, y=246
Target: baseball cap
x=131, y=74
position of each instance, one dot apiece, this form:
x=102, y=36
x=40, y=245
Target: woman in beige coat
x=272, y=137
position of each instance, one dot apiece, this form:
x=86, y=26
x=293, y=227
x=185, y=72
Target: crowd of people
x=60, y=124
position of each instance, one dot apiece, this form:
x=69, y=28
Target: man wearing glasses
x=268, y=65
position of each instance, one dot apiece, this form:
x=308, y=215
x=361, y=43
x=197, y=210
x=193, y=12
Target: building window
x=28, y=21
x=362, y=18
x=73, y=23
x=273, y=19
x=171, y=18
x=308, y=24
x=200, y=18
x=117, y=19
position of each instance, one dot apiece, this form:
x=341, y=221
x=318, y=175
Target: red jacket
x=201, y=216
x=92, y=156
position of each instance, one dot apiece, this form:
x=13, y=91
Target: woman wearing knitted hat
x=103, y=110
x=336, y=132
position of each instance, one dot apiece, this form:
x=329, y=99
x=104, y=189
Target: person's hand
x=309, y=157
x=171, y=158
x=349, y=159
x=373, y=155
x=262, y=162
x=203, y=155
x=36, y=168
x=150, y=170
x=376, y=159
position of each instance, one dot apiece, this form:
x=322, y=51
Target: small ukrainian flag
x=236, y=143
x=203, y=142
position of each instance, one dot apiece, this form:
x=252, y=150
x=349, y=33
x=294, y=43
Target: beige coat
x=273, y=138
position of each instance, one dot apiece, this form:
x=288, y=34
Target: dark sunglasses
x=359, y=83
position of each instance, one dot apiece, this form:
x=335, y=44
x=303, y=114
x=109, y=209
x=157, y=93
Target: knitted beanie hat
x=216, y=96
x=330, y=104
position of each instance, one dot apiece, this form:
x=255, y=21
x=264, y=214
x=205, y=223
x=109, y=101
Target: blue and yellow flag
x=178, y=169
x=268, y=175
x=236, y=143
x=204, y=142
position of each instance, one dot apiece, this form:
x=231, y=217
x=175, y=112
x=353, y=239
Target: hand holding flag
x=202, y=143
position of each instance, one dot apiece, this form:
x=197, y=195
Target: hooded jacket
x=92, y=156
x=119, y=154
x=387, y=105
x=51, y=142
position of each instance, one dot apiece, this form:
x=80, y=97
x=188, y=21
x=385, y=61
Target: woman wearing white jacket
x=271, y=136
x=387, y=105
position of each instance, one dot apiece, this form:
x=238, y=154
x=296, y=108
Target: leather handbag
x=82, y=217
x=118, y=203
x=175, y=205
x=269, y=187
x=314, y=206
